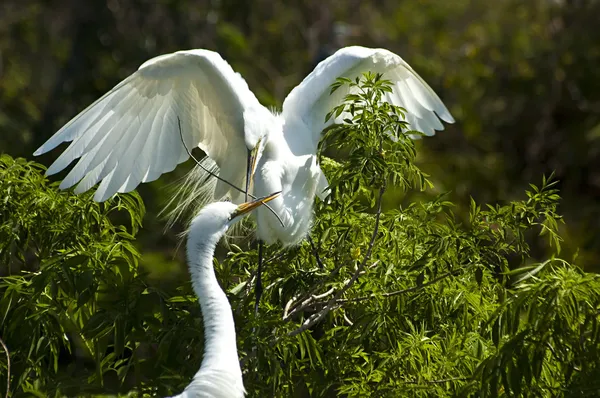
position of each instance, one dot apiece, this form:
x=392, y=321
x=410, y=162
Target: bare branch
x=398, y=292
x=315, y=318
x=311, y=300
x=287, y=307
x=305, y=303
x=327, y=293
x=348, y=321
x=301, y=299
x=323, y=281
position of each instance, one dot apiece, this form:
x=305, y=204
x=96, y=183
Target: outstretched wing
x=310, y=101
x=131, y=134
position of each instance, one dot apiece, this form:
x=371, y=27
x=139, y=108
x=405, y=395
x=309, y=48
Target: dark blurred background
x=522, y=79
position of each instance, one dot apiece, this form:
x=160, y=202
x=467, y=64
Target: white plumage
x=219, y=375
x=131, y=134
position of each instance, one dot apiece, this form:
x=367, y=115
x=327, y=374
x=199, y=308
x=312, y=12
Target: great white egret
x=131, y=134
x=137, y=131
x=219, y=374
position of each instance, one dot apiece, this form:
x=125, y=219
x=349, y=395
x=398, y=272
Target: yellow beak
x=249, y=206
x=251, y=166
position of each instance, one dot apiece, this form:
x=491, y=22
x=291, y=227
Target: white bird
x=220, y=374
x=131, y=134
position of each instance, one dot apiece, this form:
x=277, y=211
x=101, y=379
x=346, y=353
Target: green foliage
x=412, y=303
x=380, y=150
x=64, y=264
x=405, y=301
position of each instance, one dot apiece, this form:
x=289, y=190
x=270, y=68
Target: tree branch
x=398, y=292
x=304, y=300
x=315, y=318
x=312, y=297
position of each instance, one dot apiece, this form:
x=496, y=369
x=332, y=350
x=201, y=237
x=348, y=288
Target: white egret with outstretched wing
x=132, y=135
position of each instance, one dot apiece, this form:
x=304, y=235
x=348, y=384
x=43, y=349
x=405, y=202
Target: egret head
x=215, y=218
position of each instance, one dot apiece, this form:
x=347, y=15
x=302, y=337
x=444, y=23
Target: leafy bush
x=404, y=301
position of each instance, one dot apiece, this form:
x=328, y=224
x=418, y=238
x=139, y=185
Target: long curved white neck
x=220, y=350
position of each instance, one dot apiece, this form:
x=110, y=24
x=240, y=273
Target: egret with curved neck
x=220, y=375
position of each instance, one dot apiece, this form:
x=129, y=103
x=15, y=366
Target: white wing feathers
x=310, y=101
x=131, y=134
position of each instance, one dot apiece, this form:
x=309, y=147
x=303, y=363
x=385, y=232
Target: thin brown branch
x=398, y=292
